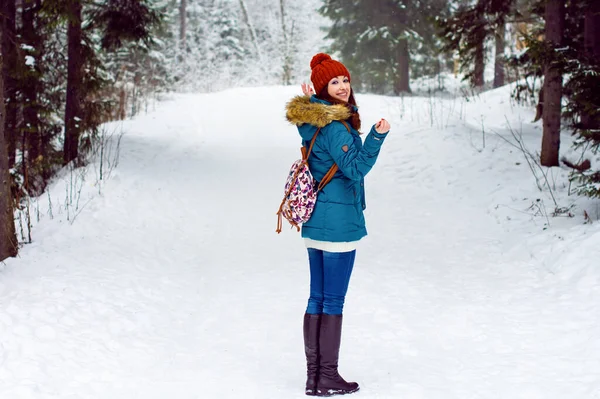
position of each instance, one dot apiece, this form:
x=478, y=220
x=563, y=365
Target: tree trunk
x=499, y=60
x=287, y=59
x=251, y=30
x=592, y=51
x=479, y=56
x=9, y=70
x=478, y=74
x=592, y=30
x=182, y=22
x=555, y=22
x=402, y=84
x=8, y=238
x=74, y=84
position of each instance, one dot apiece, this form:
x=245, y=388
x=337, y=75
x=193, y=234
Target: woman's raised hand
x=382, y=126
x=307, y=90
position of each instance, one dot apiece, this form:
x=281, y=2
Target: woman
x=337, y=222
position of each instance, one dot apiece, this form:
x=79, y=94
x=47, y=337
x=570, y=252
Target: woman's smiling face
x=339, y=88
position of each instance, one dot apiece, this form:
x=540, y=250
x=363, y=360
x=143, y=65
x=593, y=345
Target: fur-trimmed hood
x=310, y=110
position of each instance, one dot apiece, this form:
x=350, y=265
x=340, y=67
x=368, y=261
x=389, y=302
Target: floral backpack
x=301, y=189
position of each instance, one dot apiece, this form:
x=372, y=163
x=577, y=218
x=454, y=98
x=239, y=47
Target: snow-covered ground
x=169, y=281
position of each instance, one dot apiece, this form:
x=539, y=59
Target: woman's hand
x=382, y=126
x=307, y=90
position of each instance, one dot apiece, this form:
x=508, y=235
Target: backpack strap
x=332, y=171
x=306, y=154
x=334, y=168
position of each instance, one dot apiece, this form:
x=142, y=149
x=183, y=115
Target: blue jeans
x=329, y=277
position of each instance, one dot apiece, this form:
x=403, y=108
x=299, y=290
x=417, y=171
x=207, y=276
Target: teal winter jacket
x=338, y=214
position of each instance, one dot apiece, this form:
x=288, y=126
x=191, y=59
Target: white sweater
x=329, y=246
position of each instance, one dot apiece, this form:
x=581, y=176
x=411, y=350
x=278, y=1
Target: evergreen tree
x=8, y=17
x=301, y=22
x=563, y=45
x=44, y=78
x=286, y=45
x=119, y=21
x=225, y=46
x=583, y=99
x=75, y=94
x=239, y=43
x=8, y=239
x=34, y=163
x=36, y=65
x=113, y=23
x=376, y=39
x=468, y=29
x=182, y=22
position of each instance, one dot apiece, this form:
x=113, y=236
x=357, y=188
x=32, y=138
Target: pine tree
x=182, y=22
x=302, y=22
x=8, y=17
x=34, y=163
x=8, y=239
x=75, y=94
x=226, y=45
x=567, y=52
x=582, y=67
x=44, y=80
x=555, y=26
x=499, y=60
x=286, y=46
x=376, y=39
x=39, y=95
x=117, y=22
x=427, y=59
x=467, y=31
x=239, y=43
x=590, y=118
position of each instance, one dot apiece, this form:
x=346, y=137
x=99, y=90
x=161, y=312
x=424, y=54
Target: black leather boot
x=312, y=324
x=330, y=382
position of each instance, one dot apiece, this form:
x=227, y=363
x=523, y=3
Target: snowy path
x=173, y=284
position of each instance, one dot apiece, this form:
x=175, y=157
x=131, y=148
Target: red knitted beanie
x=324, y=69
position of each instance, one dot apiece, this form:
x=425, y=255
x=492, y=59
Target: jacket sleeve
x=353, y=162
